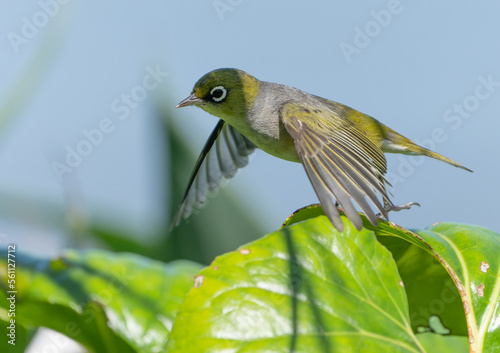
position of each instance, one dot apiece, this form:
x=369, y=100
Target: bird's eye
x=218, y=93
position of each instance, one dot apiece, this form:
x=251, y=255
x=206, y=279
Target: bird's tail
x=429, y=153
x=396, y=142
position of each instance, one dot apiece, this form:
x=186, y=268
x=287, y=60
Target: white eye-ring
x=218, y=93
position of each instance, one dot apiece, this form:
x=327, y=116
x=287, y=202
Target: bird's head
x=226, y=93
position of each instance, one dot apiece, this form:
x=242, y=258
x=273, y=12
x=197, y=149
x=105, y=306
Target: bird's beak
x=191, y=100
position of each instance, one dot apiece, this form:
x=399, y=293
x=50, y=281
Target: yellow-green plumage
x=341, y=149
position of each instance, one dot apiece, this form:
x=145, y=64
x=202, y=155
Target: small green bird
x=341, y=149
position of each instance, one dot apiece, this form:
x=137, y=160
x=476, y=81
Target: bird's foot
x=390, y=207
x=395, y=208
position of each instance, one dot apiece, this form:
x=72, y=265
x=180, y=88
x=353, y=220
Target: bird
x=341, y=149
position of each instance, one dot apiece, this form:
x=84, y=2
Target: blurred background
x=93, y=154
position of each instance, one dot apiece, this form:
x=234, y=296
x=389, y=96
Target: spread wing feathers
x=225, y=151
x=340, y=161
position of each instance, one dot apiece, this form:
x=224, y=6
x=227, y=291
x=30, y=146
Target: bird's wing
x=340, y=161
x=225, y=151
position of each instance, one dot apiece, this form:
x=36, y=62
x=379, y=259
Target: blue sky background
x=429, y=70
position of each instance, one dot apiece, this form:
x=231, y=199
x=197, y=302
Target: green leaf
x=303, y=214
x=107, y=302
x=431, y=290
x=438, y=297
x=438, y=343
x=305, y=288
x=470, y=254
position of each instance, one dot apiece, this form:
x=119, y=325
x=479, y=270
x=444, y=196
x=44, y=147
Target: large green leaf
x=471, y=255
x=464, y=267
x=431, y=290
x=305, y=288
x=107, y=302
x=438, y=297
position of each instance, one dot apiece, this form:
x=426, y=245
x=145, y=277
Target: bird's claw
x=406, y=206
x=390, y=207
